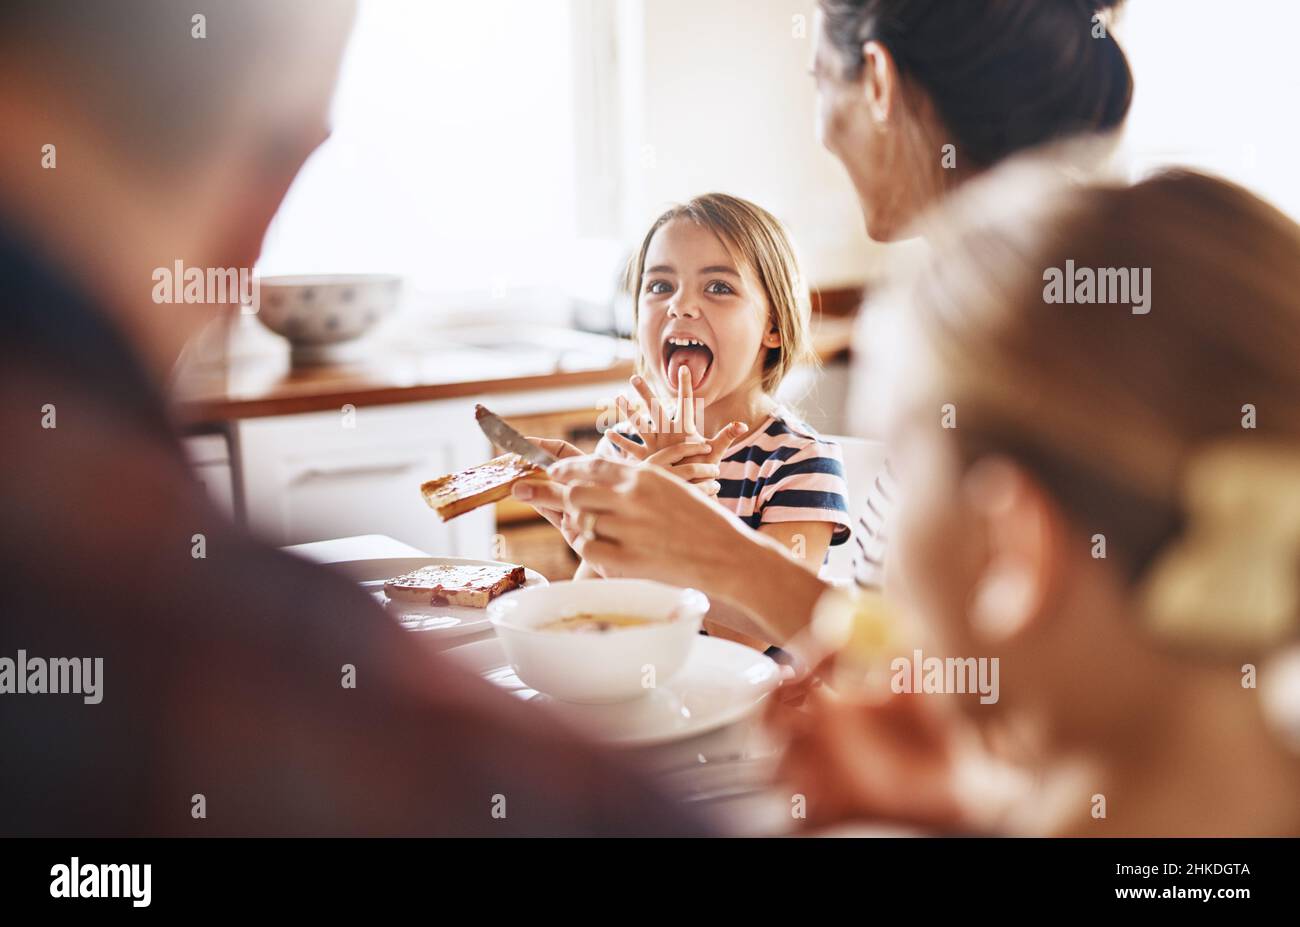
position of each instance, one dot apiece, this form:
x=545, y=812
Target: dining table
x=726, y=774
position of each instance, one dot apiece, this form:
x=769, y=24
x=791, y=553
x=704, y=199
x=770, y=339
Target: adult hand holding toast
x=549, y=498
x=639, y=517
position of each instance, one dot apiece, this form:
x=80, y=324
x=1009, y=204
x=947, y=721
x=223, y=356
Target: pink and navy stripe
x=781, y=472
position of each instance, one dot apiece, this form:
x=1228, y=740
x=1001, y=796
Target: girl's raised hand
x=662, y=424
x=670, y=436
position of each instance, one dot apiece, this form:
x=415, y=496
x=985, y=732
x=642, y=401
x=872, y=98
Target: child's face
x=693, y=290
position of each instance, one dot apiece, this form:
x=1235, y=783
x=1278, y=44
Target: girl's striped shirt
x=782, y=471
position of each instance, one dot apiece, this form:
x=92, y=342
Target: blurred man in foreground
x=137, y=135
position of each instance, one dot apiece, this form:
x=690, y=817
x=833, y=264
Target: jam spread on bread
x=467, y=586
x=461, y=492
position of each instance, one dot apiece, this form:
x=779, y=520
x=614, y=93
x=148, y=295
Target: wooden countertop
x=256, y=378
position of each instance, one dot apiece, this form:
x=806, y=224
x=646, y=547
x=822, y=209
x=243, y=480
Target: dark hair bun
x=1004, y=75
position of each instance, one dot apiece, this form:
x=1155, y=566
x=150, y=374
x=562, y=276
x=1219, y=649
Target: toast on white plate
x=458, y=493
x=464, y=585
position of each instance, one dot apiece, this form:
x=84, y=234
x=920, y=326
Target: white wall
x=451, y=160
x=455, y=159
x=1217, y=87
x=717, y=96
x=721, y=99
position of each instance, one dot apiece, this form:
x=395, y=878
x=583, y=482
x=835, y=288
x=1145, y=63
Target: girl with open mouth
x=722, y=315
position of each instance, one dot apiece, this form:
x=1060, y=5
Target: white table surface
x=723, y=773
x=361, y=547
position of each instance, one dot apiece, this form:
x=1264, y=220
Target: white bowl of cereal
x=598, y=640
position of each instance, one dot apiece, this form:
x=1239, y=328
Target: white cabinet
x=209, y=458
x=332, y=474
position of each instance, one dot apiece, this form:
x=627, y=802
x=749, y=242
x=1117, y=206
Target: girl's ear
x=772, y=339
x=1022, y=531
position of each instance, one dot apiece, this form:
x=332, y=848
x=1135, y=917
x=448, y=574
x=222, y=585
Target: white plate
x=720, y=684
x=440, y=620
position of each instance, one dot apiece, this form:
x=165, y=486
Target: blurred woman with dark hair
x=916, y=96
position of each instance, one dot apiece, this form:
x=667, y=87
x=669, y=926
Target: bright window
x=452, y=158
x=1216, y=85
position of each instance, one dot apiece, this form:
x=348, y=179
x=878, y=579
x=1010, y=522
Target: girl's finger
x=630, y=414
x=685, y=400
x=729, y=432
x=651, y=401
x=642, y=388
x=693, y=472
x=711, y=488
x=722, y=441
x=627, y=445
x=676, y=453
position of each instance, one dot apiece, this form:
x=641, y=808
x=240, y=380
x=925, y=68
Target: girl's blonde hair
x=757, y=239
x=1111, y=409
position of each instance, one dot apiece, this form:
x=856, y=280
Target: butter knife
x=506, y=438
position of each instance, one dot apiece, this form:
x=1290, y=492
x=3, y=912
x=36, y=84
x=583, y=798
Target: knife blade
x=506, y=438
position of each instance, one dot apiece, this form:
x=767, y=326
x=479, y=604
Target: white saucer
x=720, y=684
x=439, y=620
